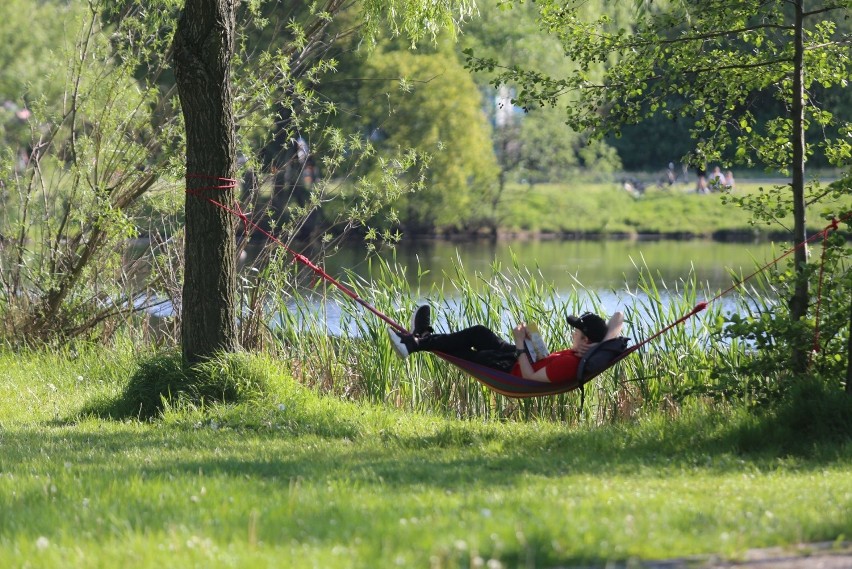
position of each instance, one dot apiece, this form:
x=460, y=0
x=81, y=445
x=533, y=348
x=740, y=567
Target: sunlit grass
x=331, y=452
x=605, y=208
x=298, y=479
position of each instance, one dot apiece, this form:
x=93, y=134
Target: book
x=536, y=348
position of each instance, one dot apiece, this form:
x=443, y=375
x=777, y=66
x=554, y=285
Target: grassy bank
x=290, y=478
x=606, y=209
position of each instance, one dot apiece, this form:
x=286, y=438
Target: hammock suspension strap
x=230, y=183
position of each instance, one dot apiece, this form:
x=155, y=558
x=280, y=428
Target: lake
x=597, y=264
x=609, y=269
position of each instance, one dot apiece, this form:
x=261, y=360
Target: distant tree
x=415, y=112
x=32, y=33
x=553, y=152
x=718, y=58
x=531, y=144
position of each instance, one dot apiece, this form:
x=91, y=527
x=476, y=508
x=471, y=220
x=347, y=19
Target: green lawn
x=295, y=479
x=607, y=209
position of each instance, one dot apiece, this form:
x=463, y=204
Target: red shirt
x=561, y=366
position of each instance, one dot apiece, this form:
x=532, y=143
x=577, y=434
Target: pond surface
x=599, y=265
x=609, y=270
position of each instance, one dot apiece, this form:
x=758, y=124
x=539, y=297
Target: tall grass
x=360, y=363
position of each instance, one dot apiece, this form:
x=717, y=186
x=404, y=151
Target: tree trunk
x=849, y=355
x=203, y=46
x=799, y=300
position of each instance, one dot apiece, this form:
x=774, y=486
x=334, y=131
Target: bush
x=161, y=380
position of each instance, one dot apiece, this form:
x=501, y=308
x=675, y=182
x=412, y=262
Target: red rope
x=835, y=223
x=695, y=310
x=230, y=183
x=702, y=305
x=223, y=184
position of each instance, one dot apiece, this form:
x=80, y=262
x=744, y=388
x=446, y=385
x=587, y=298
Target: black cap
x=592, y=325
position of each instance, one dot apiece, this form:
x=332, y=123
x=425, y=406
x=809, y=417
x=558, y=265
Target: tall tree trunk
x=203, y=46
x=799, y=300
x=849, y=355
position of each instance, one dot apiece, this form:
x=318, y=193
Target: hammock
x=599, y=359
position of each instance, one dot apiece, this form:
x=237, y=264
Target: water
x=606, y=269
x=598, y=265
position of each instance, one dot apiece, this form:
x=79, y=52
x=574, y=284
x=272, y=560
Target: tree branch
x=823, y=10
x=718, y=34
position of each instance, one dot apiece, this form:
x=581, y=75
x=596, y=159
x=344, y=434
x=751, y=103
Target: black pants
x=476, y=344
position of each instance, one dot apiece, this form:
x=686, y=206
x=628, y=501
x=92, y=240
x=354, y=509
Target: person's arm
x=613, y=327
x=527, y=371
x=613, y=330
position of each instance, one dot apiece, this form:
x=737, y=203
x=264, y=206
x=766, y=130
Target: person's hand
x=582, y=347
x=519, y=332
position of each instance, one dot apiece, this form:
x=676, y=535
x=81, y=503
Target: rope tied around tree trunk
x=230, y=183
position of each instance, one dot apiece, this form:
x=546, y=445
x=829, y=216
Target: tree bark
x=203, y=47
x=799, y=300
x=849, y=355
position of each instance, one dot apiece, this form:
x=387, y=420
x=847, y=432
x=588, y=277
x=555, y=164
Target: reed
x=355, y=358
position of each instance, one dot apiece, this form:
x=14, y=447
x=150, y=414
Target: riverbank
x=607, y=211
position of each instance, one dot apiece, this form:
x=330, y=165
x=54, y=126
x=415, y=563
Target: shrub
x=161, y=380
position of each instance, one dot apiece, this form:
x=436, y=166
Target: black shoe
x=403, y=344
x=421, y=323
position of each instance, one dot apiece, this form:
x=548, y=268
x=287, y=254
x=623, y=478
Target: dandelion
x=42, y=543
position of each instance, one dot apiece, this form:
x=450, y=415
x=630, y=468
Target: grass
x=291, y=478
x=364, y=462
x=606, y=209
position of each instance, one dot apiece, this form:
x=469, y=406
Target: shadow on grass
x=456, y=457
x=815, y=428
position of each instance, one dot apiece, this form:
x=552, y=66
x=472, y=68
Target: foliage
x=416, y=22
x=531, y=144
x=75, y=203
x=770, y=333
x=461, y=169
x=161, y=381
x=108, y=166
x=29, y=76
x=711, y=63
x=722, y=56
x=550, y=154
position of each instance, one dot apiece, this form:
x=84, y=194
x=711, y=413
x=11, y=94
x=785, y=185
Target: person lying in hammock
x=481, y=345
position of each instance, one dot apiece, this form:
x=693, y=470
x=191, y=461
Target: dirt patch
x=829, y=555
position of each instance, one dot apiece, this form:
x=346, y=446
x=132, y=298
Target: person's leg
x=421, y=323
x=462, y=343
